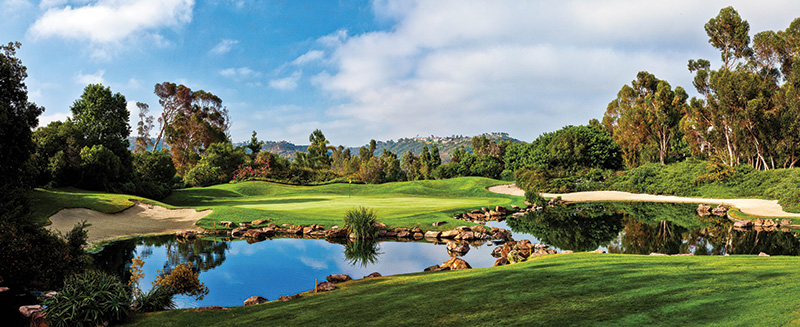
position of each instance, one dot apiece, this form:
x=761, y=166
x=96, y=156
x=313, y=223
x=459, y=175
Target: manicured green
x=404, y=204
x=47, y=202
x=584, y=289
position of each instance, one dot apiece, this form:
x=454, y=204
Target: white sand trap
x=139, y=219
x=757, y=207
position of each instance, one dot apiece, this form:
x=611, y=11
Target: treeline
x=747, y=111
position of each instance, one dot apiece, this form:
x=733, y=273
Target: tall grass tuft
x=158, y=299
x=89, y=299
x=361, y=222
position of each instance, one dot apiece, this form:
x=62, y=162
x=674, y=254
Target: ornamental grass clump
x=89, y=299
x=361, y=222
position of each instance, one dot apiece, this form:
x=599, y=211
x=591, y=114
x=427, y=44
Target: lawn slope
x=585, y=289
x=403, y=204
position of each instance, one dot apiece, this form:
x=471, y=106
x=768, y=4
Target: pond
x=236, y=270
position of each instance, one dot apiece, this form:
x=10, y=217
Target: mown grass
x=406, y=204
x=584, y=289
x=47, y=202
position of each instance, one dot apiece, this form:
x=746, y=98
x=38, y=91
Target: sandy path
x=137, y=220
x=758, y=207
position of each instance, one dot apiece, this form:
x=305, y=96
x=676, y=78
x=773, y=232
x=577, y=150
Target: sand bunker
x=757, y=207
x=139, y=219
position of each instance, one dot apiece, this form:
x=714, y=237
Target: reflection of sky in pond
x=288, y=266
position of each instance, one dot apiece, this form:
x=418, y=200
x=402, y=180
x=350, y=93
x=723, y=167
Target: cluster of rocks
x=327, y=285
x=485, y=214
x=515, y=252
x=706, y=210
x=761, y=224
x=473, y=233
x=452, y=264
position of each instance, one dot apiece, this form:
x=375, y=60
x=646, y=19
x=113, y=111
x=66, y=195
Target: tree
x=190, y=121
x=254, y=145
x=18, y=117
x=730, y=34
x=218, y=165
x=143, y=128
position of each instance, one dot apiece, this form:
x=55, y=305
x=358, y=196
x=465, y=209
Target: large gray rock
x=458, y=249
x=432, y=234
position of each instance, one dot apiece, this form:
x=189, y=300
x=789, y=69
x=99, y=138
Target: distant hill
x=446, y=145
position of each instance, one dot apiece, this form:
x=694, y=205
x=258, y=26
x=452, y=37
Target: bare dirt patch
x=140, y=219
x=757, y=207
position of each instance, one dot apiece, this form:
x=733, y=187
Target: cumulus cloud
x=96, y=78
x=287, y=83
x=471, y=66
x=223, y=47
x=107, y=22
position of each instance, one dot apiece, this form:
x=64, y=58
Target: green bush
x=361, y=222
x=89, y=299
x=183, y=279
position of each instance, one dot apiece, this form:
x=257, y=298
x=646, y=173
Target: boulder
x=284, y=298
x=703, y=210
x=236, y=232
x=338, y=278
x=373, y=275
x=457, y=249
x=758, y=222
x=743, y=224
x=769, y=223
x=762, y=254
x=404, y=234
x=599, y=251
x=500, y=262
x=720, y=211
x=228, y=224
x=449, y=234
x=28, y=310
x=497, y=252
x=439, y=223
x=379, y=225
x=4, y=289
x=467, y=236
x=484, y=209
x=416, y=230
x=432, y=234
x=514, y=207
x=493, y=213
x=455, y=264
x=418, y=236
x=786, y=221
x=253, y=300
x=336, y=233
x=245, y=225
x=432, y=268
x=567, y=252
x=325, y=286
x=259, y=222
x=308, y=230
x=294, y=231
x=500, y=209
x=516, y=256
x=268, y=231
x=478, y=229
x=186, y=233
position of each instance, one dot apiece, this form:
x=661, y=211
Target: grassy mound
x=584, y=289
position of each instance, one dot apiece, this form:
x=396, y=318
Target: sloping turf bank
x=405, y=204
x=584, y=289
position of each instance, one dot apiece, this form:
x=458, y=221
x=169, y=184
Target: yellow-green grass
x=47, y=202
x=582, y=289
x=407, y=204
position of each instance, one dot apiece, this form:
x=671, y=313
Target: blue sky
x=380, y=69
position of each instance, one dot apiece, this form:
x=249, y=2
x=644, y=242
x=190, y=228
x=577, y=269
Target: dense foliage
x=361, y=223
x=89, y=299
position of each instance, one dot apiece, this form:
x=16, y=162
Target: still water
x=236, y=270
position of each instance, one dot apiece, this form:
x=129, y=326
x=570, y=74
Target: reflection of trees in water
x=115, y=258
x=362, y=251
x=669, y=228
x=573, y=227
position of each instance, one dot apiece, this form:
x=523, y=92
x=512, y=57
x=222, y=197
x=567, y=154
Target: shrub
x=159, y=298
x=361, y=222
x=183, y=279
x=535, y=198
x=88, y=299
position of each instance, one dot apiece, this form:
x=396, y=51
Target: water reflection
x=362, y=252
x=644, y=228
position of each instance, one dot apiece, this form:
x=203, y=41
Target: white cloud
x=223, y=47
x=96, y=78
x=471, y=66
x=47, y=119
x=310, y=56
x=110, y=23
x=287, y=83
